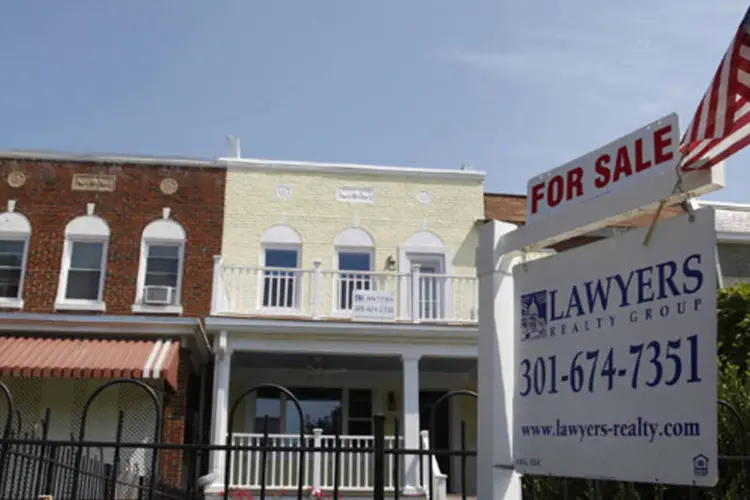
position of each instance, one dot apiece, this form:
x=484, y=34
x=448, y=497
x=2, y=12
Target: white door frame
x=415, y=254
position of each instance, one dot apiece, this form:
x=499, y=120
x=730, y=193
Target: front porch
x=346, y=390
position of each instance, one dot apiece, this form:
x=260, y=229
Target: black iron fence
x=32, y=464
x=35, y=465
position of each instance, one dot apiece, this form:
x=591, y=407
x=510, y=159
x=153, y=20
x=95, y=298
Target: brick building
x=105, y=271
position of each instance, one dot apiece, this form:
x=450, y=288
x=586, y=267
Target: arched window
x=15, y=234
x=84, y=264
x=161, y=267
x=355, y=255
x=282, y=246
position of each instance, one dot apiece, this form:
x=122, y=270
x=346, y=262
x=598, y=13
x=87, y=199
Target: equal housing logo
x=665, y=289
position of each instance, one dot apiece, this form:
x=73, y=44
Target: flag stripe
x=721, y=125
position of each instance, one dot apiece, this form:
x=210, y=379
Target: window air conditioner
x=158, y=295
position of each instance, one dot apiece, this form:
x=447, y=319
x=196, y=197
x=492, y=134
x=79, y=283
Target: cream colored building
x=354, y=287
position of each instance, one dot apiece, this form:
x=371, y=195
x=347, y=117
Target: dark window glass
x=85, y=272
x=279, y=286
x=351, y=281
x=11, y=267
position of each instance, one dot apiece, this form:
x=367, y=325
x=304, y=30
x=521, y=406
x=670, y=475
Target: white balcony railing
x=282, y=467
x=324, y=294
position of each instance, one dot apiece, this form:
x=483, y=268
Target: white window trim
x=261, y=277
x=404, y=268
x=139, y=306
x=336, y=309
x=64, y=304
x=17, y=302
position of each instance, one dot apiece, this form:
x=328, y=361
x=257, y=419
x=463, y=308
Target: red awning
x=89, y=358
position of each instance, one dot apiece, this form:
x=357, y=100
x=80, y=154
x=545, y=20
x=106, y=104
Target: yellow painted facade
x=253, y=205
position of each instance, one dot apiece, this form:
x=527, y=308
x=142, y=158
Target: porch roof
x=89, y=358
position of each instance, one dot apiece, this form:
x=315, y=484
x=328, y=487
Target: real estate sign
x=615, y=349
x=370, y=305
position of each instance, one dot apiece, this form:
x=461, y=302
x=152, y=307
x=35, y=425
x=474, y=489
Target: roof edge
x=351, y=168
x=110, y=158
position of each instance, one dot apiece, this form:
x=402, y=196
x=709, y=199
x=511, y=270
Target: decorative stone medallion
x=16, y=179
x=283, y=192
x=424, y=196
x=168, y=186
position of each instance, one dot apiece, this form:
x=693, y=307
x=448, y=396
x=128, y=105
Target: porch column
x=410, y=406
x=220, y=416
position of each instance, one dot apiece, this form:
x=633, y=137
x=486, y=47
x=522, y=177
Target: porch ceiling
x=351, y=363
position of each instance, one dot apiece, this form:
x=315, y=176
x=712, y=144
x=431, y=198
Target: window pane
x=83, y=285
x=161, y=280
x=11, y=260
x=158, y=265
x=318, y=414
x=360, y=403
x=164, y=251
x=86, y=256
x=10, y=275
x=270, y=406
x=349, y=282
x=355, y=261
x=11, y=253
x=9, y=290
x=281, y=258
x=10, y=280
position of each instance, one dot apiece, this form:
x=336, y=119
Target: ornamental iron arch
x=82, y=432
x=301, y=465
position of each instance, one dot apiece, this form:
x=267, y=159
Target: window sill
x=9, y=303
x=151, y=309
x=80, y=305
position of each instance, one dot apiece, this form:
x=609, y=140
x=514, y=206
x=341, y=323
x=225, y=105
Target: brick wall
x=173, y=427
x=47, y=199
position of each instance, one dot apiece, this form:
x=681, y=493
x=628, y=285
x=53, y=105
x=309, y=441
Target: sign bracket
x=685, y=203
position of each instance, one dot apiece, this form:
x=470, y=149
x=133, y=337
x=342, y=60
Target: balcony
x=320, y=294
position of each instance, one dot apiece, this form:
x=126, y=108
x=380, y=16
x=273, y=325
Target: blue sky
x=513, y=88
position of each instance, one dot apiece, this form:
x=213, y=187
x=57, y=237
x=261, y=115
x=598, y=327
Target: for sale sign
x=616, y=358
x=647, y=152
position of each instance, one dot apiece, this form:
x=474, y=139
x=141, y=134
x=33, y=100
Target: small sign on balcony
x=373, y=306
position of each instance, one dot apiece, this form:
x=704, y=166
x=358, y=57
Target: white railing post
x=426, y=462
x=317, y=441
x=317, y=279
x=415, y=284
x=218, y=285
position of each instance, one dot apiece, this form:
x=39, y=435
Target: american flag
x=721, y=125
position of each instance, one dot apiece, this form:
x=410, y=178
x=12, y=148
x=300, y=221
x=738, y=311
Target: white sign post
x=615, y=358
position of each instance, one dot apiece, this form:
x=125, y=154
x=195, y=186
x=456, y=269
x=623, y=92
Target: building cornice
x=473, y=176
x=110, y=159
